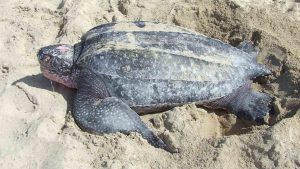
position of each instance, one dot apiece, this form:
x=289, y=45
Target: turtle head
x=56, y=63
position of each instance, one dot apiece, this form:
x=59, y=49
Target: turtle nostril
x=40, y=55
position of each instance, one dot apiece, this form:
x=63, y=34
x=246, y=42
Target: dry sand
x=37, y=130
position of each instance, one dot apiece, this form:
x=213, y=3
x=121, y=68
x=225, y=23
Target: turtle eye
x=47, y=58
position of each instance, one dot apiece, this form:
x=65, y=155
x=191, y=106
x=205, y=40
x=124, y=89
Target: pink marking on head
x=63, y=48
x=68, y=81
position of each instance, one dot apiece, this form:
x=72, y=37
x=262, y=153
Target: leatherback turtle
x=121, y=68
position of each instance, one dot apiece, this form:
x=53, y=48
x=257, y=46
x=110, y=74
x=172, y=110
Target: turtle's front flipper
x=110, y=115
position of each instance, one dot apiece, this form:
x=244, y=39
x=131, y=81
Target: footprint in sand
x=4, y=71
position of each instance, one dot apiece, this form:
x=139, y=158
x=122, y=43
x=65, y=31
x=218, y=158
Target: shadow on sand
x=39, y=81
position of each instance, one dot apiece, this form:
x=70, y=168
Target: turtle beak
x=40, y=55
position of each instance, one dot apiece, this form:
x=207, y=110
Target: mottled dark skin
x=121, y=67
x=56, y=62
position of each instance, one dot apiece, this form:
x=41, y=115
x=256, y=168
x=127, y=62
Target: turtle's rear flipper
x=110, y=115
x=248, y=47
x=247, y=104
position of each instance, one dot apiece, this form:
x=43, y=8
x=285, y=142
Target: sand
x=38, y=131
